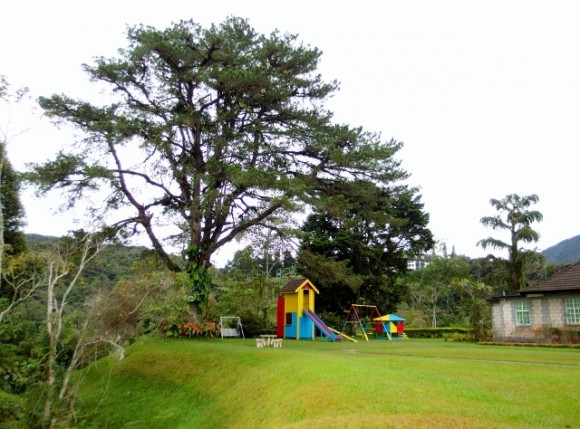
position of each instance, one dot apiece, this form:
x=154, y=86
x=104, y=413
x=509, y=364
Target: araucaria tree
x=208, y=134
x=516, y=218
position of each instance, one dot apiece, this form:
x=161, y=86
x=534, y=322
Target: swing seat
x=230, y=332
x=227, y=331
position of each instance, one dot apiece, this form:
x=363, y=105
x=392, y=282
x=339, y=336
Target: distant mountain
x=38, y=241
x=565, y=252
x=113, y=262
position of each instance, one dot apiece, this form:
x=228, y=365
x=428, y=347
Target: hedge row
x=513, y=344
x=435, y=332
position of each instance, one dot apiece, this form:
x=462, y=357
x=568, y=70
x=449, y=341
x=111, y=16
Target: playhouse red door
x=280, y=318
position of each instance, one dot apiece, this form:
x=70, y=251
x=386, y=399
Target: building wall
x=300, y=301
x=545, y=312
x=291, y=302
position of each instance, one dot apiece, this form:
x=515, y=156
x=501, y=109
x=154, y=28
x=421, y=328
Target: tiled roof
x=566, y=280
x=293, y=284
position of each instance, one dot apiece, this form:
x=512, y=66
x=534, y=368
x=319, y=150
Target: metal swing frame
x=231, y=332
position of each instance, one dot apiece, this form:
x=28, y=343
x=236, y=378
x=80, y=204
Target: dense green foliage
x=70, y=320
x=367, y=247
x=447, y=293
x=248, y=287
x=248, y=263
x=113, y=263
x=12, y=209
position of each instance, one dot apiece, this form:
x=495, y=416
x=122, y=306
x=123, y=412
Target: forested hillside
x=565, y=252
x=112, y=264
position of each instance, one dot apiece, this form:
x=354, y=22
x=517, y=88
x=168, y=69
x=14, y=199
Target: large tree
x=12, y=241
x=369, y=243
x=11, y=209
x=209, y=133
x=515, y=217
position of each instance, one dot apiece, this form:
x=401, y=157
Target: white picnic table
x=269, y=339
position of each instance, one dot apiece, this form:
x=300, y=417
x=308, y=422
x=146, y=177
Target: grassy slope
x=404, y=384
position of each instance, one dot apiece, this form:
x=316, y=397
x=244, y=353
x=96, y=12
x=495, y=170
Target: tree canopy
x=11, y=207
x=369, y=244
x=209, y=132
x=12, y=214
x=516, y=218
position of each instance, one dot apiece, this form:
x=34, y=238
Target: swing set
x=366, y=319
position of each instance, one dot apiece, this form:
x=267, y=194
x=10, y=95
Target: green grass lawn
x=215, y=383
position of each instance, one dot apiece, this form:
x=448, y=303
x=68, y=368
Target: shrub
x=456, y=337
x=436, y=332
x=190, y=329
x=12, y=410
x=572, y=335
x=556, y=334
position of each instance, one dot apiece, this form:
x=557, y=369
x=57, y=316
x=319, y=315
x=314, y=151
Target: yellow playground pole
x=344, y=335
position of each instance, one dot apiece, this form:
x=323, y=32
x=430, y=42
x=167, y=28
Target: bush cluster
x=437, y=332
x=12, y=410
x=456, y=337
x=190, y=329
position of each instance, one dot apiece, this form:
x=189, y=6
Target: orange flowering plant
x=190, y=329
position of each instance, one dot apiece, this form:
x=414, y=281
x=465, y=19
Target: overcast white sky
x=484, y=95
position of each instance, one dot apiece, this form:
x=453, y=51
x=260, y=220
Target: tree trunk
x=51, y=366
x=55, y=306
x=434, y=317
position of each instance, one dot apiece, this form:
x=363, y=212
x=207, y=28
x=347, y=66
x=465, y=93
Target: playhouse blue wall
x=306, y=327
x=290, y=330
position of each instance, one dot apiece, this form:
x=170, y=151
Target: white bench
x=230, y=332
x=260, y=343
x=277, y=343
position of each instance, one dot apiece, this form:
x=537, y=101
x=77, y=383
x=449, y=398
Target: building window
x=573, y=311
x=288, y=318
x=522, y=313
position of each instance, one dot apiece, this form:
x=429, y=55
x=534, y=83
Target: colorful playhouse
x=391, y=326
x=296, y=317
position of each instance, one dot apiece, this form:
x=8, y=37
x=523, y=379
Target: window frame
x=572, y=306
x=522, y=309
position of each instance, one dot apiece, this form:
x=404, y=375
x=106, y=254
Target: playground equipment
x=390, y=326
x=343, y=335
x=358, y=319
x=231, y=327
x=365, y=319
x=296, y=317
